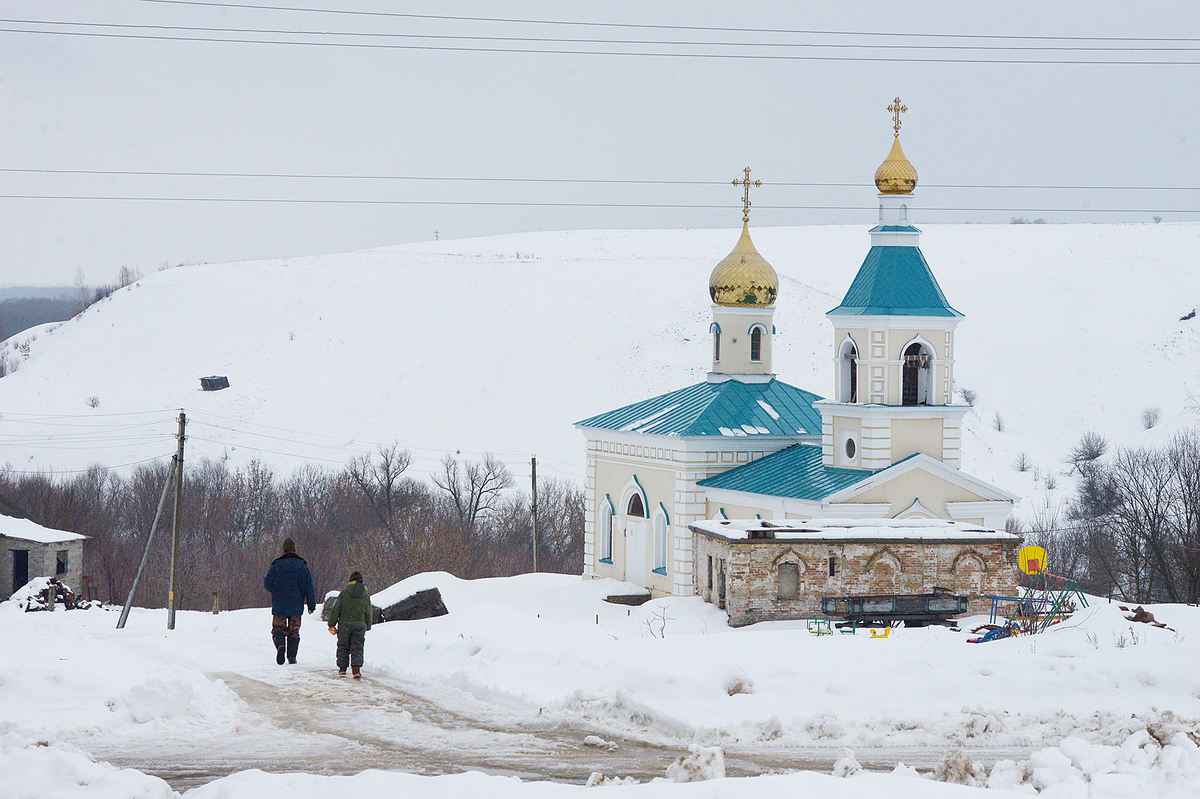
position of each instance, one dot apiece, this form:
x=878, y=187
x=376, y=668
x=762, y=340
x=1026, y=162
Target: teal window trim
x=661, y=570
x=606, y=560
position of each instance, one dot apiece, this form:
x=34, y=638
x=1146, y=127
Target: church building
x=702, y=490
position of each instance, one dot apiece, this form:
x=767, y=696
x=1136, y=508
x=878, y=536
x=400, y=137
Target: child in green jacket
x=349, y=619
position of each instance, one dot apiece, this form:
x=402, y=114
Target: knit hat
x=289, y=545
x=356, y=577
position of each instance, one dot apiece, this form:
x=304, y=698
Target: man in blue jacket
x=291, y=587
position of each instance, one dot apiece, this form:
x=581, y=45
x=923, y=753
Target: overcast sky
x=802, y=100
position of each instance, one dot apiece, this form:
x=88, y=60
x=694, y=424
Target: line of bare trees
x=370, y=516
x=1133, y=529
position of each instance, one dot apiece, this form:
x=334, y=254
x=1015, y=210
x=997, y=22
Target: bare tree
x=473, y=489
x=382, y=483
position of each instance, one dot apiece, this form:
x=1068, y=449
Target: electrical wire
x=550, y=204
x=619, y=53
x=649, y=26
x=570, y=181
x=10, y=470
x=1106, y=48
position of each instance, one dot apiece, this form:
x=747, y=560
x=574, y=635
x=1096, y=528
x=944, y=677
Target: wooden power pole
x=175, y=522
x=533, y=465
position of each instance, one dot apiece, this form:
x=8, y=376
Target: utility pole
x=162, y=500
x=175, y=522
x=533, y=465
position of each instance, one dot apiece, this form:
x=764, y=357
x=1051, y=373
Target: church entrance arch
x=635, y=540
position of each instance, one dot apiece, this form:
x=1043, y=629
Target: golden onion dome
x=896, y=175
x=743, y=277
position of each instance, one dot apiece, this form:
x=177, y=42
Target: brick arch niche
x=884, y=570
x=969, y=570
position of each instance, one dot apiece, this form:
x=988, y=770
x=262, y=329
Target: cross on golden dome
x=746, y=183
x=897, y=110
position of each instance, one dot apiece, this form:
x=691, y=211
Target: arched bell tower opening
x=917, y=375
x=848, y=372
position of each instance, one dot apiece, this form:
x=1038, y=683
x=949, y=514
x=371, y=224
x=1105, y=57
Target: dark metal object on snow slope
x=214, y=382
x=915, y=610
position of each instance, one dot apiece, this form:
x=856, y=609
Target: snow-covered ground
x=501, y=343
x=535, y=676
x=498, y=345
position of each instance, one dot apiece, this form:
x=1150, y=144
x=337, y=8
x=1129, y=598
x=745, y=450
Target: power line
x=350, y=449
x=571, y=181
x=53, y=416
x=559, y=204
x=9, y=470
x=1107, y=48
x=587, y=52
x=649, y=26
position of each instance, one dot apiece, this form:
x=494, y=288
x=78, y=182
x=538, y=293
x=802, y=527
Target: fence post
x=216, y=602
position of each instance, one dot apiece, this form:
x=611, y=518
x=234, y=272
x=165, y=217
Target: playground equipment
x=819, y=626
x=1049, y=599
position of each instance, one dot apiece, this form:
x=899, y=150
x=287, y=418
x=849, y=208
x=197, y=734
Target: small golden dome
x=896, y=175
x=743, y=277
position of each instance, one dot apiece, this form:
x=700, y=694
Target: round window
x=850, y=448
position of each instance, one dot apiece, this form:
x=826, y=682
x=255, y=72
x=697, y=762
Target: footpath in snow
x=533, y=686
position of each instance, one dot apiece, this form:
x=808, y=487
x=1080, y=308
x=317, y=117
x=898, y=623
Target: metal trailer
x=915, y=610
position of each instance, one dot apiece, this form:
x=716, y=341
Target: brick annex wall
x=752, y=584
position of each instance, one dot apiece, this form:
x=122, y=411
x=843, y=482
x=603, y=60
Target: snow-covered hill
x=502, y=343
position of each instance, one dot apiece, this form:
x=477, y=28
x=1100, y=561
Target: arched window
x=756, y=343
x=716, y=331
x=849, y=373
x=635, y=507
x=606, y=531
x=917, y=366
x=660, y=541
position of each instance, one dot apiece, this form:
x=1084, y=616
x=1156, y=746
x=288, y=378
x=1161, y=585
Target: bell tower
x=743, y=287
x=893, y=343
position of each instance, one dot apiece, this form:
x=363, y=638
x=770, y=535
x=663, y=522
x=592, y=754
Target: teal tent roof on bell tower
x=895, y=281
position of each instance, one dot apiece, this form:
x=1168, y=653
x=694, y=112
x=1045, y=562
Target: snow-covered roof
x=26, y=530
x=851, y=530
x=729, y=408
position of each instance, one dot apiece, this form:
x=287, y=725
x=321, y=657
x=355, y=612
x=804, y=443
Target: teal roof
x=895, y=281
x=729, y=408
x=792, y=472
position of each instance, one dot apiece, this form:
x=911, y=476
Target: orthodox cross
x=746, y=183
x=897, y=110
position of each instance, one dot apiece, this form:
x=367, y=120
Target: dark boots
x=279, y=639
x=356, y=672
x=293, y=644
